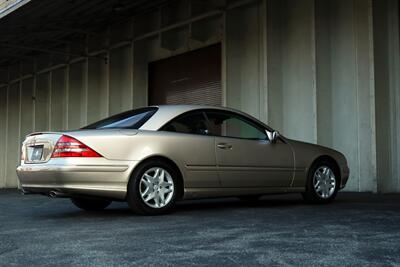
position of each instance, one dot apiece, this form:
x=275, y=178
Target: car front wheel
x=322, y=183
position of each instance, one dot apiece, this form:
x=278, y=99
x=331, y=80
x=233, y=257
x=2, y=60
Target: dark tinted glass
x=233, y=125
x=191, y=123
x=132, y=119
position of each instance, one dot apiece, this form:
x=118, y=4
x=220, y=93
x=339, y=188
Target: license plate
x=37, y=153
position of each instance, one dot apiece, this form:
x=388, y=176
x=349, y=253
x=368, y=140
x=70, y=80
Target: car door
x=244, y=154
x=189, y=136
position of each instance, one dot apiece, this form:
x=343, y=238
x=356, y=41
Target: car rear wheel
x=322, y=183
x=153, y=188
x=91, y=204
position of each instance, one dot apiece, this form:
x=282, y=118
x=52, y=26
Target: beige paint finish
x=245, y=167
x=254, y=163
x=306, y=154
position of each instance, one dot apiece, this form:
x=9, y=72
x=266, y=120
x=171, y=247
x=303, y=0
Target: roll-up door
x=190, y=78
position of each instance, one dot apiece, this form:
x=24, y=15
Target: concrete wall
x=345, y=88
x=387, y=100
x=317, y=70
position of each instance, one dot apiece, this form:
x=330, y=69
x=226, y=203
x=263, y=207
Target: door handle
x=224, y=146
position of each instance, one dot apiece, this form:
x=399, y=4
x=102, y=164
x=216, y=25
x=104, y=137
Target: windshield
x=132, y=119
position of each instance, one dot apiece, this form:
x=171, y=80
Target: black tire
x=310, y=195
x=250, y=198
x=91, y=204
x=134, y=199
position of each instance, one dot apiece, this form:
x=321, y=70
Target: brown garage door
x=190, y=78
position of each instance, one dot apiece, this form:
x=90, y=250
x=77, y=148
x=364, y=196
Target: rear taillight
x=67, y=147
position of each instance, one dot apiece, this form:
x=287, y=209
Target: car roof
x=166, y=113
x=186, y=108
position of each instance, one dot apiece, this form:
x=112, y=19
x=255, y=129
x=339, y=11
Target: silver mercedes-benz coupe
x=154, y=156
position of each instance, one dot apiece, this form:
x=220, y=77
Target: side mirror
x=272, y=136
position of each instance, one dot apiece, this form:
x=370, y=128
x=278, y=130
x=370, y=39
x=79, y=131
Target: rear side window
x=190, y=123
x=132, y=119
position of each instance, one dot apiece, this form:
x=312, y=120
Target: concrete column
x=120, y=93
x=76, y=95
x=58, y=101
x=291, y=68
x=97, y=101
x=13, y=134
x=364, y=61
x=42, y=102
x=3, y=135
x=387, y=84
x=27, y=116
x=274, y=69
x=345, y=87
x=243, y=55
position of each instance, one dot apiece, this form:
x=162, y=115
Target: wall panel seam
x=6, y=135
x=355, y=44
x=263, y=62
x=66, y=100
x=314, y=73
x=34, y=97
x=19, y=121
x=372, y=97
x=49, y=84
x=224, y=60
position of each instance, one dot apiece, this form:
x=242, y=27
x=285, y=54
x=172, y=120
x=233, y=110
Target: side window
x=191, y=123
x=232, y=125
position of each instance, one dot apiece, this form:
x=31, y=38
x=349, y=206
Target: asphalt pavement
x=358, y=229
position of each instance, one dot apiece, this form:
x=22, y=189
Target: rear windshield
x=132, y=119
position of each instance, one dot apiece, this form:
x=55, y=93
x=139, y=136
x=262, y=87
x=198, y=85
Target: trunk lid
x=38, y=147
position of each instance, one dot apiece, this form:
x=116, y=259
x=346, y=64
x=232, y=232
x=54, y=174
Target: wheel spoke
x=150, y=197
x=326, y=190
x=165, y=184
x=157, y=199
x=162, y=197
x=148, y=178
x=155, y=176
x=166, y=190
x=146, y=183
x=161, y=176
x=146, y=192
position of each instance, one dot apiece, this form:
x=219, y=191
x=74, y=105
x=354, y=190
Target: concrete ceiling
x=43, y=26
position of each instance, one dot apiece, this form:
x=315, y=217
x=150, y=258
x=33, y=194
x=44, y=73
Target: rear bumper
x=105, y=179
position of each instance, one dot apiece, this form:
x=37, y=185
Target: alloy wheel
x=324, y=182
x=156, y=187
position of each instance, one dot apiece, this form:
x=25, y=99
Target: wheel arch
x=181, y=185
x=328, y=159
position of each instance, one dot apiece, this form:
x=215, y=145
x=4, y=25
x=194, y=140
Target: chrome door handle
x=224, y=146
